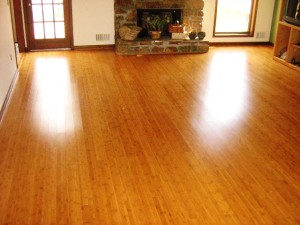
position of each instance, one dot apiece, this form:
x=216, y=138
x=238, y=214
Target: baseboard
x=11, y=87
x=95, y=47
x=112, y=47
x=20, y=58
x=239, y=43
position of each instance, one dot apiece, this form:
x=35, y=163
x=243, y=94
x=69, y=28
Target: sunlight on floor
x=53, y=104
x=226, y=94
x=223, y=103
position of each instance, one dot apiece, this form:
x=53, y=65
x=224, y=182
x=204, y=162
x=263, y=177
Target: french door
x=49, y=24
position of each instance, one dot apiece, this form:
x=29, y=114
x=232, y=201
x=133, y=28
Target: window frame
x=251, y=26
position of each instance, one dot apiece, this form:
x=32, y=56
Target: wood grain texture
x=90, y=137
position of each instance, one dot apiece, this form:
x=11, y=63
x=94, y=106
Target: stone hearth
x=162, y=46
x=126, y=14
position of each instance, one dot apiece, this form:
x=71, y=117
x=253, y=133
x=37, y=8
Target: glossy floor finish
x=93, y=138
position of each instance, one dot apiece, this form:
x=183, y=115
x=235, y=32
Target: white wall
x=91, y=17
x=8, y=66
x=263, y=22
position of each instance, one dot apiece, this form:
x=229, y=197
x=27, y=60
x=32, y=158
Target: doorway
x=48, y=24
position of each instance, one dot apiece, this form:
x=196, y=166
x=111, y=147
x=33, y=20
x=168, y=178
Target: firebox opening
x=173, y=16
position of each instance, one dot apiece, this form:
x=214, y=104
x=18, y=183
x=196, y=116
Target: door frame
x=22, y=26
x=19, y=24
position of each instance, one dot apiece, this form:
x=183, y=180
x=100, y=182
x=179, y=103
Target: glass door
x=48, y=24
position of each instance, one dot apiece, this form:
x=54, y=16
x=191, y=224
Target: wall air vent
x=260, y=35
x=102, y=37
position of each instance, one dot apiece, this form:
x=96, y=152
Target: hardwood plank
x=90, y=137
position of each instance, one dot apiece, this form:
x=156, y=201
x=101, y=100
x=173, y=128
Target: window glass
x=235, y=17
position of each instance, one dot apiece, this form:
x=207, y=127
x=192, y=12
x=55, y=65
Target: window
x=48, y=19
x=235, y=18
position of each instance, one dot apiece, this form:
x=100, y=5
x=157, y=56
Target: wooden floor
x=93, y=138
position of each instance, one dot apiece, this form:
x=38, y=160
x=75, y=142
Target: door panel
x=49, y=24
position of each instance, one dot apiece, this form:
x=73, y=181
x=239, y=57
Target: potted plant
x=155, y=25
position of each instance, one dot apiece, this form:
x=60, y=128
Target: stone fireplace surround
x=173, y=15
x=126, y=14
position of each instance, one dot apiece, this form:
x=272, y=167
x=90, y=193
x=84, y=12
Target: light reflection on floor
x=224, y=100
x=226, y=91
x=53, y=96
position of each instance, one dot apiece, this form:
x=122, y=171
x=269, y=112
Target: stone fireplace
x=191, y=14
x=173, y=15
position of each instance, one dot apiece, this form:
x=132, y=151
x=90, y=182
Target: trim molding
x=7, y=98
x=19, y=20
x=98, y=47
x=112, y=46
x=239, y=43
